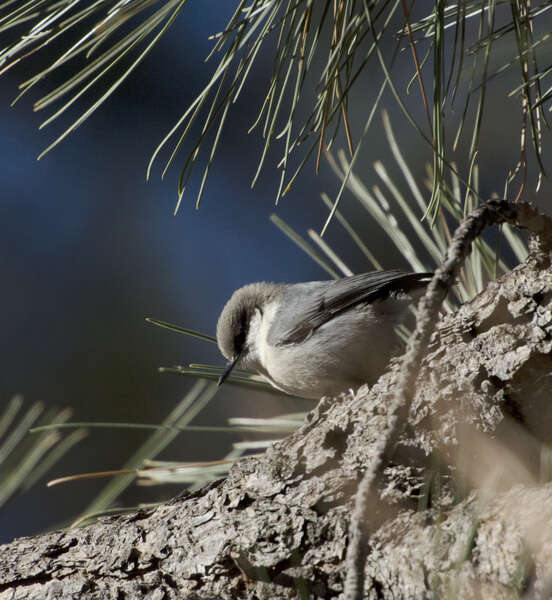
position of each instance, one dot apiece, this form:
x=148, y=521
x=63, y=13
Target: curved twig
x=522, y=215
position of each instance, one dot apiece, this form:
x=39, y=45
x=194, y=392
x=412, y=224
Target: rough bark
x=463, y=509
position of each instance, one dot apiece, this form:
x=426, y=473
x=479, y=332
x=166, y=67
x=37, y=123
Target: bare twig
x=494, y=212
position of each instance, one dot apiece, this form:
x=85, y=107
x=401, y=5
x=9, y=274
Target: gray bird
x=318, y=338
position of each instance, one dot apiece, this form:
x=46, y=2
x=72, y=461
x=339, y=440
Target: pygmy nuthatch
x=318, y=338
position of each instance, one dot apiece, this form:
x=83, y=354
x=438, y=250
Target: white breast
x=260, y=355
x=263, y=349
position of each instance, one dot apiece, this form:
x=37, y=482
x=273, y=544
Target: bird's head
x=239, y=322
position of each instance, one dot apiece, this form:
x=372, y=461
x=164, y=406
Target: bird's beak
x=228, y=369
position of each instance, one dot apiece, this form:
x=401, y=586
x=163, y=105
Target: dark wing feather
x=338, y=296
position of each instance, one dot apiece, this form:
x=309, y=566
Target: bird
x=317, y=338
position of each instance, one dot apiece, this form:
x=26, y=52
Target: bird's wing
x=319, y=302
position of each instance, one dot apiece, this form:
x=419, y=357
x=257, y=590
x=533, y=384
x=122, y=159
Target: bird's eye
x=239, y=341
x=240, y=337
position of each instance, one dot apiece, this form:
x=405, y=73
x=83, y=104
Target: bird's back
x=326, y=337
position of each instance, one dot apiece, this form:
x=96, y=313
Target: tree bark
x=463, y=510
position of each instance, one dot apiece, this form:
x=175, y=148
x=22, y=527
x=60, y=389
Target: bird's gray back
x=304, y=307
x=295, y=306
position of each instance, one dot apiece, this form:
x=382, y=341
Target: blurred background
x=89, y=249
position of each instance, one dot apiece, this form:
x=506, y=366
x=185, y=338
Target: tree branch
x=277, y=526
